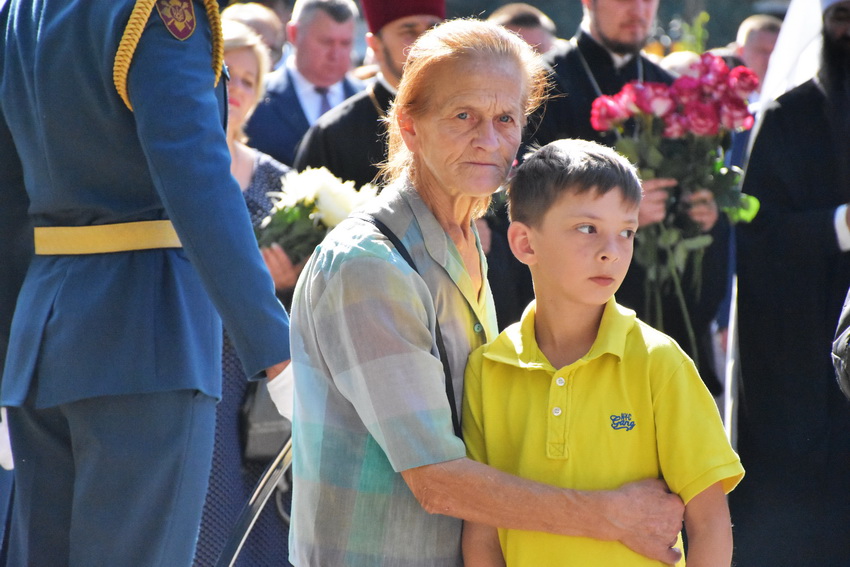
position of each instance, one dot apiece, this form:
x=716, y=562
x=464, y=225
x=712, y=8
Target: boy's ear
x=521, y=241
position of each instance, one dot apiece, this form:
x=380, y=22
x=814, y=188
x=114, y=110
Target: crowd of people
x=474, y=380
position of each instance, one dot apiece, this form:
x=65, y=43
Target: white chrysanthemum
x=334, y=200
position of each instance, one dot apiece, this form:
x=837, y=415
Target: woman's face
x=466, y=141
x=244, y=68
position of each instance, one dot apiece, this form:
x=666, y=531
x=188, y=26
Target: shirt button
x=556, y=412
x=478, y=328
x=560, y=381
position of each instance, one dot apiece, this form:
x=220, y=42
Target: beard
x=835, y=66
x=392, y=67
x=835, y=78
x=620, y=47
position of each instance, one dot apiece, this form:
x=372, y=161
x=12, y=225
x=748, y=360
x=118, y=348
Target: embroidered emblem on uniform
x=178, y=16
x=622, y=421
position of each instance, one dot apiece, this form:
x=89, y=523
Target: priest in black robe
x=599, y=60
x=793, y=274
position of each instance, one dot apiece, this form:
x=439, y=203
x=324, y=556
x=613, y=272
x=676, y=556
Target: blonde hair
x=451, y=41
x=237, y=36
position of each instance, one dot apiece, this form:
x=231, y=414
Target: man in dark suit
x=350, y=140
x=126, y=243
x=311, y=82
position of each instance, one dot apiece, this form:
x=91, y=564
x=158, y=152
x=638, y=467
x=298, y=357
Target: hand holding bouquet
x=682, y=131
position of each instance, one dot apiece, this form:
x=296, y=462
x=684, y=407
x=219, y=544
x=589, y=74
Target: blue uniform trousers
x=111, y=480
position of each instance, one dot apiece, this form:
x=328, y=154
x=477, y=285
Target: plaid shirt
x=370, y=396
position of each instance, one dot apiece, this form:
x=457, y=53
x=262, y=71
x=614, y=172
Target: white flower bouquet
x=311, y=203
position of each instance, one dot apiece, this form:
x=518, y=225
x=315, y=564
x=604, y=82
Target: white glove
x=282, y=392
x=5, y=444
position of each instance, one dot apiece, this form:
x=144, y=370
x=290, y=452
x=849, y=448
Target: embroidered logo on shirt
x=622, y=421
x=178, y=16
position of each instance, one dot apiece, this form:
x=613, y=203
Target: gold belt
x=105, y=238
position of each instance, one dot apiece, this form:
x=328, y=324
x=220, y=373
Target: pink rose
x=713, y=76
x=675, y=126
x=742, y=81
x=702, y=118
x=734, y=114
x=607, y=112
x=711, y=64
x=686, y=89
x=628, y=96
x=655, y=99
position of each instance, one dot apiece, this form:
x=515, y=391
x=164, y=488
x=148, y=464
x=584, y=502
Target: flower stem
x=680, y=296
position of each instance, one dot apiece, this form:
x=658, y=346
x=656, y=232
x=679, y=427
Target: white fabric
x=796, y=56
x=6, y=460
x=281, y=391
x=842, y=231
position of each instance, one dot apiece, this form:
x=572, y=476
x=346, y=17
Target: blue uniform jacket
x=278, y=123
x=73, y=154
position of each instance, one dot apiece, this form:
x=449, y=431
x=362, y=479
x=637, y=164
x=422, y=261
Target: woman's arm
x=643, y=515
x=709, y=528
x=481, y=547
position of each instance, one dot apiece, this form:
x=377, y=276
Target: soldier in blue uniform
x=125, y=244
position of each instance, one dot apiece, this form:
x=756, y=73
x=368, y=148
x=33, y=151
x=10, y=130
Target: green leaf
x=654, y=157
x=669, y=237
x=629, y=148
x=697, y=242
x=746, y=211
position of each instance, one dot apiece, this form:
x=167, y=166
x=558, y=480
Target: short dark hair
x=522, y=15
x=568, y=166
x=340, y=11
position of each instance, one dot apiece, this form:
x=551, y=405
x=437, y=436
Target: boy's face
x=582, y=249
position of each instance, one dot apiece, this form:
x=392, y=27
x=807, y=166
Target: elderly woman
x=233, y=477
x=380, y=476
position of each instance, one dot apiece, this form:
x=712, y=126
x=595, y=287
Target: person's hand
x=273, y=372
x=653, y=206
x=283, y=271
x=702, y=208
x=649, y=518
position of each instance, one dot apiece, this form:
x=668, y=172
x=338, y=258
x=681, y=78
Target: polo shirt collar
x=517, y=345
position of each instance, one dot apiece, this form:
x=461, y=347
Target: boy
x=580, y=393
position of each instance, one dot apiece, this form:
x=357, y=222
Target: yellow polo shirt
x=634, y=407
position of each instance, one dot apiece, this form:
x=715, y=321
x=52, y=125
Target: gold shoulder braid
x=133, y=32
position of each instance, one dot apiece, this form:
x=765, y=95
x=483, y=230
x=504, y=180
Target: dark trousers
x=113, y=480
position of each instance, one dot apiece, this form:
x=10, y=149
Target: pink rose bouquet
x=682, y=131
